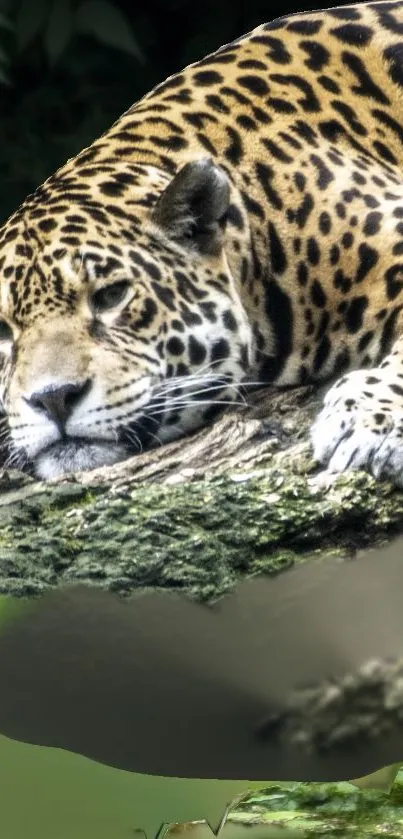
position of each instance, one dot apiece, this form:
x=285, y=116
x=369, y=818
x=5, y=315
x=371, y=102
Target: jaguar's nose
x=58, y=401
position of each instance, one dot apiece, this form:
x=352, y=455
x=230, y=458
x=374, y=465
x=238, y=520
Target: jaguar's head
x=120, y=322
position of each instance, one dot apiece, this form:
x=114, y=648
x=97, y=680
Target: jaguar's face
x=107, y=347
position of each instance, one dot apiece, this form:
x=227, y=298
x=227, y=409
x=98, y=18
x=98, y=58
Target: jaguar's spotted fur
x=244, y=220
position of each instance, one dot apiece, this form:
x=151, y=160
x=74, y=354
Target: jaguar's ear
x=193, y=206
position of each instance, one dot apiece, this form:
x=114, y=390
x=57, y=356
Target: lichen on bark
x=196, y=516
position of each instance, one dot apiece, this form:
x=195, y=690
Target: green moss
x=323, y=810
x=204, y=535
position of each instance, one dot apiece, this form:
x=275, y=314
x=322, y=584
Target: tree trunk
x=196, y=516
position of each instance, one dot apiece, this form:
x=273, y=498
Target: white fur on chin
x=76, y=456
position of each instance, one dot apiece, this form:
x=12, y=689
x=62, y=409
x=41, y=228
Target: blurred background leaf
x=6, y=27
x=27, y=25
x=69, y=68
x=107, y=24
x=59, y=29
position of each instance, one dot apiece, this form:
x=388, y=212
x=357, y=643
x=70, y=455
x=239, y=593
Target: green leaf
x=59, y=30
x=4, y=78
x=107, y=24
x=5, y=22
x=28, y=25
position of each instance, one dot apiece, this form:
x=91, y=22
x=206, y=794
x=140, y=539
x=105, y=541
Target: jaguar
x=242, y=223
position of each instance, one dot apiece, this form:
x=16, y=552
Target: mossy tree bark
x=198, y=515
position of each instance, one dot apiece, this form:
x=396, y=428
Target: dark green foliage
x=69, y=68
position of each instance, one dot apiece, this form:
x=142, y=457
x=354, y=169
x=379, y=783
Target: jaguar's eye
x=6, y=333
x=109, y=296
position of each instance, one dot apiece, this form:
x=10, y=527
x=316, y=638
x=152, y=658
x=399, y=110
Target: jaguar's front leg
x=361, y=422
